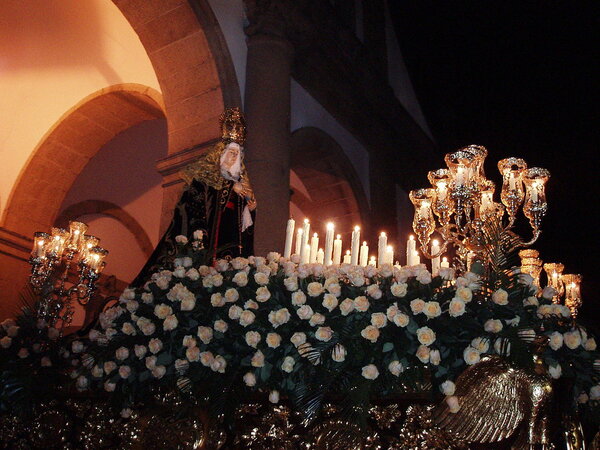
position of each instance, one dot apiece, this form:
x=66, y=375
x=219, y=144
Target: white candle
x=314, y=247
x=372, y=261
x=416, y=258
x=40, y=248
x=511, y=181
x=424, y=210
x=534, y=192
x=445, y=264
x=329, y=244
x=289, y=237
x=305, y=237
x=337, y=250
x=381, y=248
x=347, y=257
x=460, y=175
x=355, y=246
x=320, y=256
x=306, y=254
x=442, y=191
x=298, y=250
x=435, y=262
x=364, y=254
x=410, y=249
x=389, y=255
x=486, y=202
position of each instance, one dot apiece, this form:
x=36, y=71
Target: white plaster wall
x=54, y=53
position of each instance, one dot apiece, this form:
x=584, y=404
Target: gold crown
x=233, y=126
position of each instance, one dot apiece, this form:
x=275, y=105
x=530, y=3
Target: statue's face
x=231, y=156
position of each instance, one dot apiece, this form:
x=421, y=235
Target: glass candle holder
x=95, y=259
x=554, y=273
x=486, y=201
x=480, y=153
x=572, y=284
x=40, y=243
x=87, y=243
x=463, y=166
x=531, y=264
x=423, y=222
x=76, y=232
x=442, y=205
x=57, y=244
x=512, y=194
x=535, y=206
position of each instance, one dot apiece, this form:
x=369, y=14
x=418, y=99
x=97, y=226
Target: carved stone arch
x=68, y=146
x=334, y=189
x=109, y=209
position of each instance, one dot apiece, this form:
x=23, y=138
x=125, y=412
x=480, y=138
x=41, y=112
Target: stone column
x=267, y=110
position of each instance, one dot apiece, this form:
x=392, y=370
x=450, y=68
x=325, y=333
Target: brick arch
x=109, y=209
x=330, y=179
x=67, y=147
x=192, y=64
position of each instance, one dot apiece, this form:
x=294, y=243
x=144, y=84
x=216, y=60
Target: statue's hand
x=238, y=188
x=252, y=204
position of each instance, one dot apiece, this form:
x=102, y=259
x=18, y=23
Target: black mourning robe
x=218, y=213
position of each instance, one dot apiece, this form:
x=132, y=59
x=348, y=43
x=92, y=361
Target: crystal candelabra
x=53, y=257
x=462, y=199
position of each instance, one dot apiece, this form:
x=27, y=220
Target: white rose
x=424, y=277
x=298, y=298
x=109, y=366
x=305, y=312
x=401, y=320
x=453, y=404
x=250, y=379
x=500, y=297
x=181, y=239
x=97, y=371
x=595, y=392
x=396, y=368
x=481, y=344
x=426, y=336
x=392, y=311
x=471, y=355
x=456, y=308
x=128, y=329
x=370, y=333
x=358, y=280
x=5, y=342
x=148, y=328
x=288, y=364
x=262, y=294
x=23, y=353
x=253, y=338
x=219, y=364
x=378, y=320
x=370, y=372
x=205, y=334
x=374, y=292
x=189, y=341
x=221, y=265
x=192, y=354
x=179, y=272
x=158, y=371
x=124, y=372
x=147, y=298
x=140, y=351
x=417, y=306
x=155, y=345
x=549, y=292
x=241, y=279
x=347, y=306
x=361, y=303
x=273, y=340
x=188, y=303
x=432, y=309
x=162, y=311
x=590, y=344
x=291, y=283
x=324, y=334
x=261, y=278
x=435, y=357
x=217, y=280
x=556, y=340
x=423, y=354
x=464, y=293
x=399, y=289
x=330, y=302
x=82, y=383
x=298, y=338
x=274, y=396
x=555, y=371
x=446, y=273
x=531, y=301
x=250, y=304
x=193, y=274
x=122, y=353
x=235, y=312
x=220, y=326
x=317, y=319
x=247, y=318
x=217, y=300
x=258, y=359
x=170, y=323
x=448, y=388
x=7, y=323
x=206, y=358
x=334, y=289
x=572, y=339
x=493, y=326
x=132, y=306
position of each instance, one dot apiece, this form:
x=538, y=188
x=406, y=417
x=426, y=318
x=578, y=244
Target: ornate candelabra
x=462, y=199
x=53, y=258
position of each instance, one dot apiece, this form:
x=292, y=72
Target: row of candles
x=308, y=250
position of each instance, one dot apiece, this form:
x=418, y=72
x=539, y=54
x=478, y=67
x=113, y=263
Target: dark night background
x=518, y=78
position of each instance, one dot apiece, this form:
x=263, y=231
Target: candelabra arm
x=536, y=234
x=436, y=255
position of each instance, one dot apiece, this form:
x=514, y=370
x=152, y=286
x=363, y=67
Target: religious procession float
x=213, y=347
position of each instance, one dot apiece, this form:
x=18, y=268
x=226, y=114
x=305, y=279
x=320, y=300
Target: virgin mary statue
x=217, y=201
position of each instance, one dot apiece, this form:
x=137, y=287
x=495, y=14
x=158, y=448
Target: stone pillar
x=267, y=110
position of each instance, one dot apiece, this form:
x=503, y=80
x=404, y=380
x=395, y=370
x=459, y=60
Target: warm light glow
x=383, y=233
x=436, y=242
x=356, y=228
x=330, y=226
x=315, y=235
x=365, y=243
x=411, y=237
x=347, y=252
x=339, y=236
x=390, y=248
x=305, y=220
x=444, y=259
